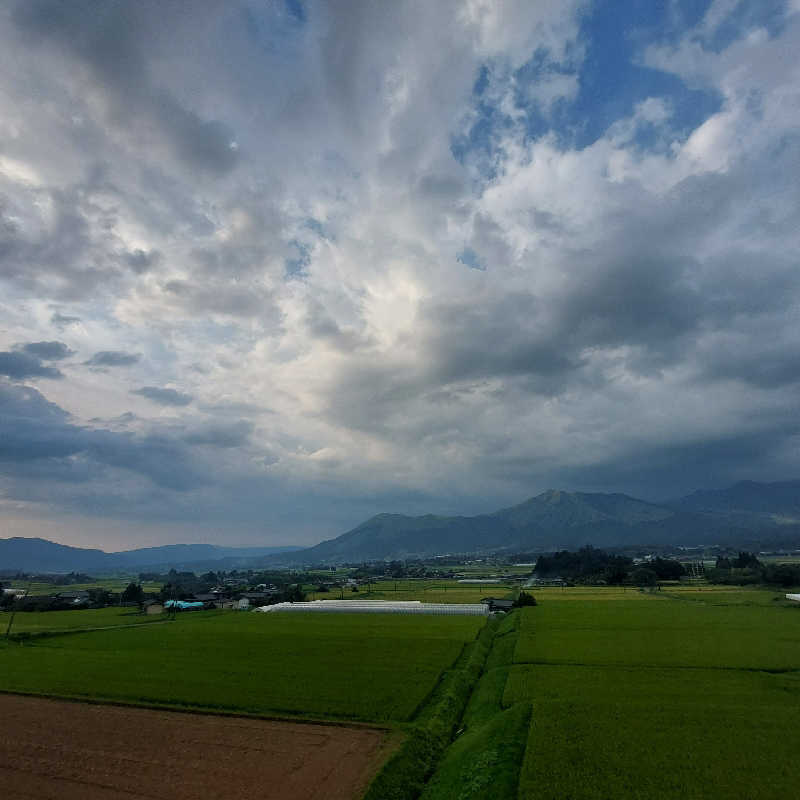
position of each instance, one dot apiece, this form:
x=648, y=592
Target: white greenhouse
x=381, y=607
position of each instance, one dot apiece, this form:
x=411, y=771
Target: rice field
x=691, y=694
x=77, y=619
x=369, y=667
x=440, y=591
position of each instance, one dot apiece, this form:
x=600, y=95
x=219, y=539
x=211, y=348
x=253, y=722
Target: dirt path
x=75, y=751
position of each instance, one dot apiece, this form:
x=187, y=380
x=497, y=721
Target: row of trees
x=746, y=569
x=592, y=565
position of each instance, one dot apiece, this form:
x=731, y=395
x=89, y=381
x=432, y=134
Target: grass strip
x=484, y=763
x=404, y=775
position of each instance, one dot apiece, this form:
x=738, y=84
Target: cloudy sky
x=268, y=268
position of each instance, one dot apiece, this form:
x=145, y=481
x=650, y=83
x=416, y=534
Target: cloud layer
x=267, y=269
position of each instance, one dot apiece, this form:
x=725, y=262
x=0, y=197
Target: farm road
x=74, y=751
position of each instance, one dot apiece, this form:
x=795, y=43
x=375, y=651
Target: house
x=79, y=598
x=256, y=598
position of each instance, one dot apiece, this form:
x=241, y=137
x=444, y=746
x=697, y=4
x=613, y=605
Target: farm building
x=79, y=598
x=183, y=605
x=381, y=607
x=496, y=604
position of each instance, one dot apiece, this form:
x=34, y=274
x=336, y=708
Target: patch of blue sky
x=471, y=259
x=611, y=82
x=270, y=27
x=317, y=227
x=477, y=145
x=297, y=267
x=296, y=9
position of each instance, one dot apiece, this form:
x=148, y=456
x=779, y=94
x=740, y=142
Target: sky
x=270, y=268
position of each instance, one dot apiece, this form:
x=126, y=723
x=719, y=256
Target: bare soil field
x=76, y=751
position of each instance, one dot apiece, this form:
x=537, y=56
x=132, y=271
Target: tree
x=667, y=569
x=99, y=596
x=525, y=599
x=644, y=577
x=746, y=560
x=133, y=594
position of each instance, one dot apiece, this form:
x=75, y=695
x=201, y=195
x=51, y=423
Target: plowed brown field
x=77, y=751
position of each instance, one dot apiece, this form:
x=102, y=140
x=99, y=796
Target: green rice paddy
x=344, y=666
x=74, y=620
x=690, y=694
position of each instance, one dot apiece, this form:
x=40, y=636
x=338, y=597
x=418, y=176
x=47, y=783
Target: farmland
x=111, y=584
x=438, y=591
x=692, y=693
x=108, y=753
x=597, y=692
x=77, y=619
x=347, y=667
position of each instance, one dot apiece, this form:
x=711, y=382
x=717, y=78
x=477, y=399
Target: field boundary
x=484, y=758
x=210, y=711
x=25, y=636
x=404, y=775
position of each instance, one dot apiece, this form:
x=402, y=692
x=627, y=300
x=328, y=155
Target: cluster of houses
x=215, y=598
x=218, y=597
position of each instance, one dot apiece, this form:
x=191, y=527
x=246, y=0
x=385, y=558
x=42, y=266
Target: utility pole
x=14, y=609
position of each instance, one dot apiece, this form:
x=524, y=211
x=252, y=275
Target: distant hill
x=780, y=500
x=745, y=514
x=749, y=515
x=41, y=555
x=45, y=556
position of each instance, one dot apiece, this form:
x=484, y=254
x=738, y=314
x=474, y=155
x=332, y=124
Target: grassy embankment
x=690, y=693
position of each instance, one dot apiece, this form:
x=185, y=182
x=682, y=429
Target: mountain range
x=748, y=515
x=42, y=555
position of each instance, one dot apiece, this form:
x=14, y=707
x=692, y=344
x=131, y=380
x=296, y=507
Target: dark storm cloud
x=63, y=320
x=165, y=397
x=234, y=434
x=63, y=248
x=32, y=428
x=19, y=365
x=514, y=334
x=47, y=351
x=667, y=470
x=141, y=261
x=231, y=299
x=113, y=358
x=110, y=39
